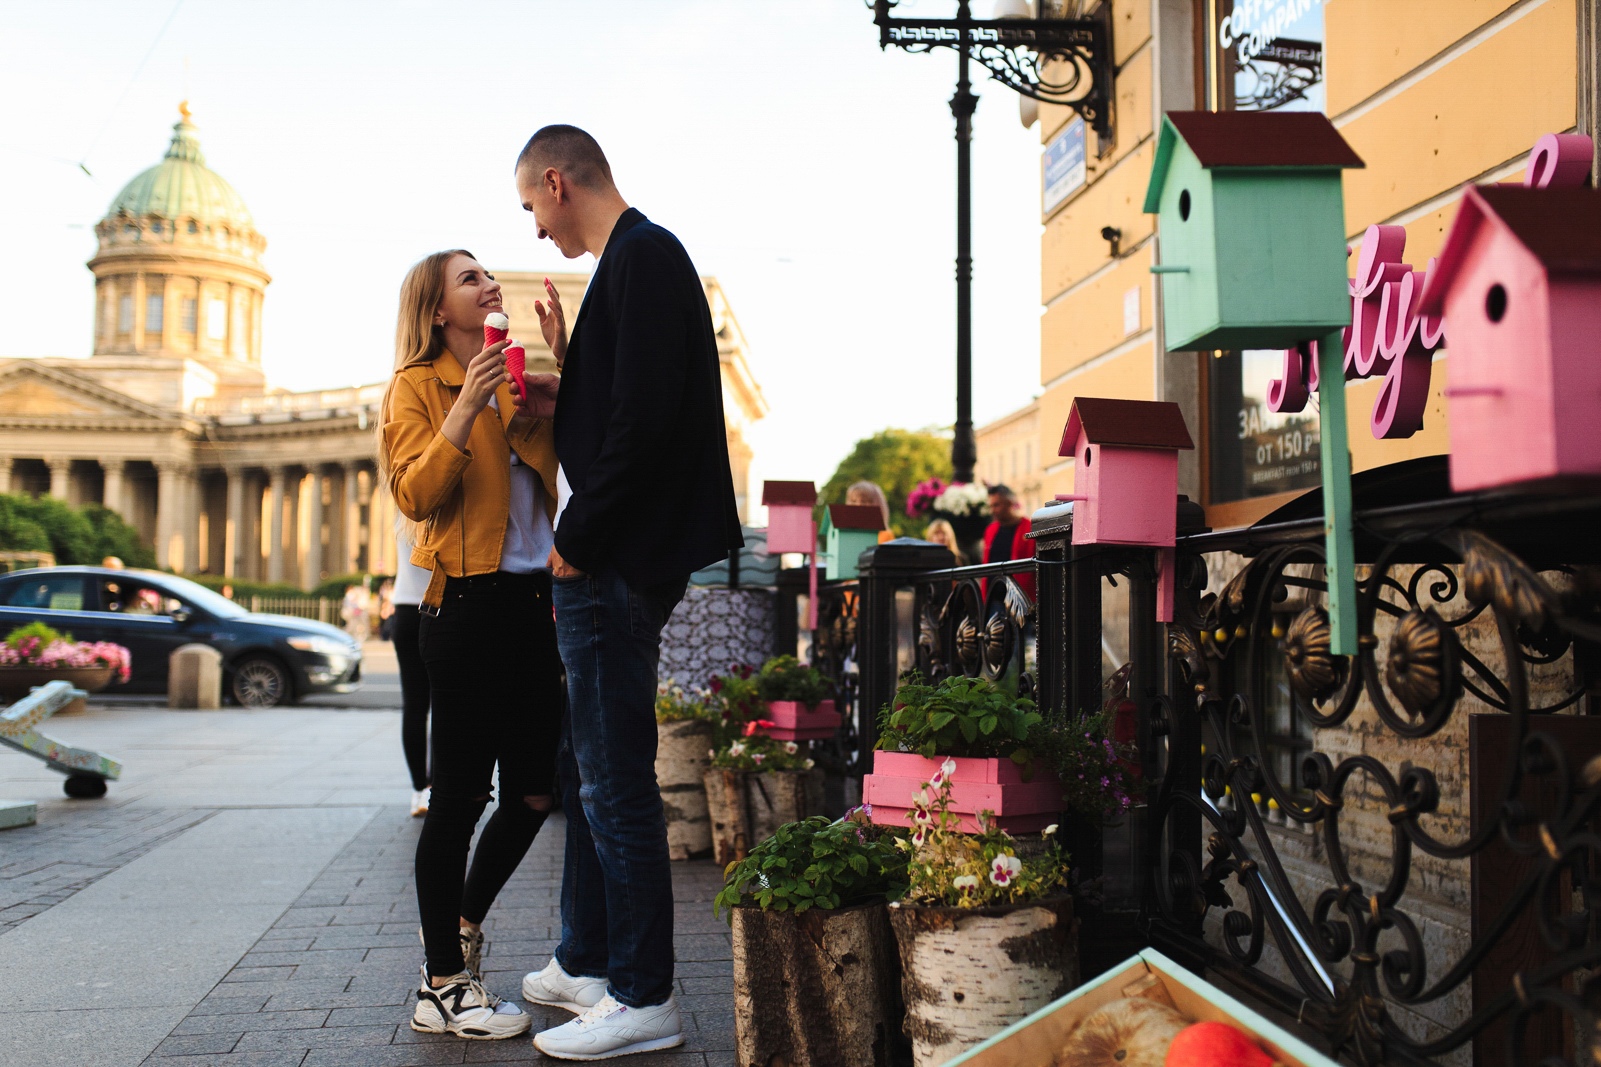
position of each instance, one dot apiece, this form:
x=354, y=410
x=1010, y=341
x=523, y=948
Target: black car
x=266, y=659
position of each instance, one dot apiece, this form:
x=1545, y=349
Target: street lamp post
x=1060, y=61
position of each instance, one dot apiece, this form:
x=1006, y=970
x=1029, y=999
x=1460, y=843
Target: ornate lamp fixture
x=1065, y=61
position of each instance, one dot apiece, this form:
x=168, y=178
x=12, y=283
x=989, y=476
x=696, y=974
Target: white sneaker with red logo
x=613, y=1029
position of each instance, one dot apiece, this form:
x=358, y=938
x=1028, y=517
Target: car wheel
x=84, y=786
x=260, y=682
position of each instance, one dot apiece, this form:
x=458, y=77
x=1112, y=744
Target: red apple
x=1215, y=1045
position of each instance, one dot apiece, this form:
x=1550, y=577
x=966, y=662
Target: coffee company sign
x=1253, y=24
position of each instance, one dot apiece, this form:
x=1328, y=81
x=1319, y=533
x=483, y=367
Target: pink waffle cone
x=492, y=335
x=516, y=362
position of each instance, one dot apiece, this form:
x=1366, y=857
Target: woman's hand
x=553, y=323
x=485, y=373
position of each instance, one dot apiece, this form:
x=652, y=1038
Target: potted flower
x=985, y=731
x=965, y=505
x=35, y=654
x=986, y=935
x=756, y=784
x=798, y=700
x=685, y=733
x=816, y=971
x=1097, y=780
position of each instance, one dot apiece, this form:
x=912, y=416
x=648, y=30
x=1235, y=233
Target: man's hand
x=560, y=568
x=553, y=323
x=539, y=394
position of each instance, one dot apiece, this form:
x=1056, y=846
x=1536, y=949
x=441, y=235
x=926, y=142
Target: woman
x=869, y=494
x=476, y=478
x=941, y=532
x=405, y=623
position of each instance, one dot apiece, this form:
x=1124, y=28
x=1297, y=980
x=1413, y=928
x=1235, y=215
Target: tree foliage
x=897, y=460
x=83, y=535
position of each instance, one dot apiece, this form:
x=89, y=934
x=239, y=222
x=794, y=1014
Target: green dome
x=181, y=186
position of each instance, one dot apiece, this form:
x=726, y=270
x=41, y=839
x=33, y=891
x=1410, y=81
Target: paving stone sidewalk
x=331, y=984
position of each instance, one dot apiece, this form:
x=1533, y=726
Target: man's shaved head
x=569, y=151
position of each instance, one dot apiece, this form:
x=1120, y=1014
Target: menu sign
x=1257, y=451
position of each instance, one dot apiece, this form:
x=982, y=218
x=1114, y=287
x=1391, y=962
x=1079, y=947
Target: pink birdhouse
x=1126, y=473
x=789, y=515
x=1126, y=477
x=1519, y=284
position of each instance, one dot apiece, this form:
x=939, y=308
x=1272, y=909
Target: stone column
x=234, y=532
x=189, y=528
x=350, y=524
x=314, y=517
x=275, y=529
x=60, y=477
x=5, y=474
x=169, y=506
x=115, y=495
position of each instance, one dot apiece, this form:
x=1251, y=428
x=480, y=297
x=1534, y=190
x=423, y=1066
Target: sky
x=813, y=174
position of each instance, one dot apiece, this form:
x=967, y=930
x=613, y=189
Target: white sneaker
x=556, y=988
x=462, y=1006
x=612, y=1029
x=419, y=803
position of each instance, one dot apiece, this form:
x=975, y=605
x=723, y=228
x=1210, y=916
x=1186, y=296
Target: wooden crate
x=1036, y=1040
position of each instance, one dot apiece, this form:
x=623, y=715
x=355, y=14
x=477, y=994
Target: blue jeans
x=617, y=885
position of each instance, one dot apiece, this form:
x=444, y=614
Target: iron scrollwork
x=975, y=627
x=1357, y=956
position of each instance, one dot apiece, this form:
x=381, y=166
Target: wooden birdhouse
x=1519, y=283
x=1125, y=471
x=789, y=516
x=1251, y=224
x=848, y=530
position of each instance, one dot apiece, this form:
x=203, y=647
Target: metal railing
x=1399, y=850
x=321, y=608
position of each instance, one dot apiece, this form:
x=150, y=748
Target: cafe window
x=1260, y=55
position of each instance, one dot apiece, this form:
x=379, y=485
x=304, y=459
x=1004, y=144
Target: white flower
x=920, y=799
x=965, y=882
x=1049, y=830
x=948, y=768
x=737, y=748
x=712, y=752
x=812, y=763
x=1004, y=869
x=791, y=747
x=757, y=758
x=921, y=816
x=919, y=835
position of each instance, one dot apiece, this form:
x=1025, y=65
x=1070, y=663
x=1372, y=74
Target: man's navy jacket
x=639, y=418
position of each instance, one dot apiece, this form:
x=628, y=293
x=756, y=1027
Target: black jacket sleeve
x=651, y=367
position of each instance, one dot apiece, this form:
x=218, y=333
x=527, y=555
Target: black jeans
x=495, y=680
x=404, y=624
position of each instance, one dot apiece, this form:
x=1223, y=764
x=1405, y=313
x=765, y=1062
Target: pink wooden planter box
x=979, y=784
x=794, y=721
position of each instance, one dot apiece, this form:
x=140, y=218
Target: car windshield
x=201, y=597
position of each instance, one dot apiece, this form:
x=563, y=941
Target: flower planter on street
x=16, y=682
x=818, y=989
x=747, y=806
x=968, y=972
x=794, y=721
x=995, y=784
x=682, y=759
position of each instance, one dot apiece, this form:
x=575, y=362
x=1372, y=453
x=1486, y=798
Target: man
x=1006, y=537
x=642, y=443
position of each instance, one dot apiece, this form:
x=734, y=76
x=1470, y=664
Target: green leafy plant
x=675, y=704
x=1094, y=769
x=38, y=632
x=958, y=717
x=816, y=863
x=786, y=678
x=758, y=752
x=733, y=701
x=963, y=870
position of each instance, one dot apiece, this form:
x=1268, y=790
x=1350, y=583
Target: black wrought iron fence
x=1397, y=850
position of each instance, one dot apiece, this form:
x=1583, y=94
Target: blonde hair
x=870, y=494
x=940, y=529
x=417, y=339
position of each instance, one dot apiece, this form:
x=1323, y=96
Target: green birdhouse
x=848, y=530
x=1252, y=228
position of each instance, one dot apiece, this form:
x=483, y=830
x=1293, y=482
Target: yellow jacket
x=459, y=500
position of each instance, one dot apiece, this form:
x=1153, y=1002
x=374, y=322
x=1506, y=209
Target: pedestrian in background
x=941, y=532
x=405, y=624
x=871, y=494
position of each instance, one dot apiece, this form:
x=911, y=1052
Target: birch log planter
x=746, y=806
x=730, y=821
x=683, y=754
x=967, y=973
x=819, y=989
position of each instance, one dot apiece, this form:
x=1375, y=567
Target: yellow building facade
x=1434, y=95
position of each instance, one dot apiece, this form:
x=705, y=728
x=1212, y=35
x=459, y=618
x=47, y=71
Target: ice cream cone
x=516, y=362
x=496, y=327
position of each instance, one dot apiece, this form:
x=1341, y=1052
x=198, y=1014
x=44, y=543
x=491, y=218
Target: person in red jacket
x=1006, y=537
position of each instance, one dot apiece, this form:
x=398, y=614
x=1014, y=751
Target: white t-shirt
x=411, y=581
x=529, y=537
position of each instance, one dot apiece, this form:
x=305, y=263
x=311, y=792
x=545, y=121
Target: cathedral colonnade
x=293, y=523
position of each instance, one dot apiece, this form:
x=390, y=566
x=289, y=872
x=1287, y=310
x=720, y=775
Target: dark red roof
x=856, y=516
x=1562, y=227
x=1129, y=423
x=804, y=493
x=1264, y=139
